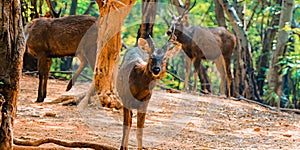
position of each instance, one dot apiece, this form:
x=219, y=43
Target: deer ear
x=174, y=51
x=144, y=46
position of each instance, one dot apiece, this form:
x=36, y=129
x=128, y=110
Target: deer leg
x=202, y=74
x=127, y=113
x=229, y=76
x=225, y=82
x=83, y=63
x=195, y=88
x=204, y=78
x=44, y=65
x=140, y=126
x=188, y=71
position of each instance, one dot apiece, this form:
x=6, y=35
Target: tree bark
x=220, y=14
x=263, y=60
x=112, y=16
x=148, y=19
x=73, y=7
x=275, y=80
x=244, y=77
x=88, y=10
x=12, y=50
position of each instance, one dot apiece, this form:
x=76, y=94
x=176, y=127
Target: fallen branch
x=267, y=106
x=61, y=72
x=62, y=143
x=17, y=147
x=255, y=102
x=290, y=110
x=67, y=98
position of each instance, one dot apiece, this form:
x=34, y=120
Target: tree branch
x=62, y=143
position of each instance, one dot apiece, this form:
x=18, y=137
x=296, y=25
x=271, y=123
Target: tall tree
x=73, y=7
x=12, y=49
x=112, y=16
x=148, y=19
x=220, y=16
x=268, y=38
x=244, y=77
x=274, y=78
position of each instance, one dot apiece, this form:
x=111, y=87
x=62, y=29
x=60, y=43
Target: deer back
x=227, y=41
x=56, y=37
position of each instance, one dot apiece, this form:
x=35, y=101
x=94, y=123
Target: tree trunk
x=88, y=10
x=148, y=19
x=244, y=77
x=11, y=49
x=263, y=60
x=283, y=36
x=111, y=18
x=220, y=14
x=73, y=7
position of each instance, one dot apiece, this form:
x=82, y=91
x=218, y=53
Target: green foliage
x=270, y=96
x=257, y=17
x=290, y=66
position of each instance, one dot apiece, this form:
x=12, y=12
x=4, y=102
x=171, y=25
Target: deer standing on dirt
x=141, y=68
x=47, y=38
x=216, y=44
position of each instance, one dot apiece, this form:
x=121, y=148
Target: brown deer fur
x=200, y=43
x=59, y=37
x=137, y=77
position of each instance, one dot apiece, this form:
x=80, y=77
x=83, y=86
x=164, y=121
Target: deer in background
x=141, y=68
x=47, y=38
x=216, y=44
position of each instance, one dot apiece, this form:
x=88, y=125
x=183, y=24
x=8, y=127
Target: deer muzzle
x=156, y=70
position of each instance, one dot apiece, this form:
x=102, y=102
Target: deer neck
x=184, y=35
x=143, y=75
x=141, y=82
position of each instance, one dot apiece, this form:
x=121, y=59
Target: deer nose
x=156, y=70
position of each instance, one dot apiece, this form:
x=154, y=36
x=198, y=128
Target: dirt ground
x=174, y=121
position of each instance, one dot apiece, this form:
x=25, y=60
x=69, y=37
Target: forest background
x=260, y=20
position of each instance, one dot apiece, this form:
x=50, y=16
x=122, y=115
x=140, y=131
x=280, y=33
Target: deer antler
x=188, y=8
x=55, y=14
x=153, y=46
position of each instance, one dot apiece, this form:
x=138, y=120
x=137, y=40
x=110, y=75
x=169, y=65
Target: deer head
x=179, y=22
x=158, y=56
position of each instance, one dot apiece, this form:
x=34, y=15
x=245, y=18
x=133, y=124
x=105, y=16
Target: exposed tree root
x=110, y=100
x=17, y=147
x=36, y=143
x=68, y=99
x=290, y=110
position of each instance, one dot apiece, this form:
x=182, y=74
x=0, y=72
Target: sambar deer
x=141, y=68
x=216, y=44
x=47, y=38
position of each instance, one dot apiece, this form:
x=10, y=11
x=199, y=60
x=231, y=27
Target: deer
x=142, y=67
x=47, y=38
x=215, y=44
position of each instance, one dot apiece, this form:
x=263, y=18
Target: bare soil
x=174, y=121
